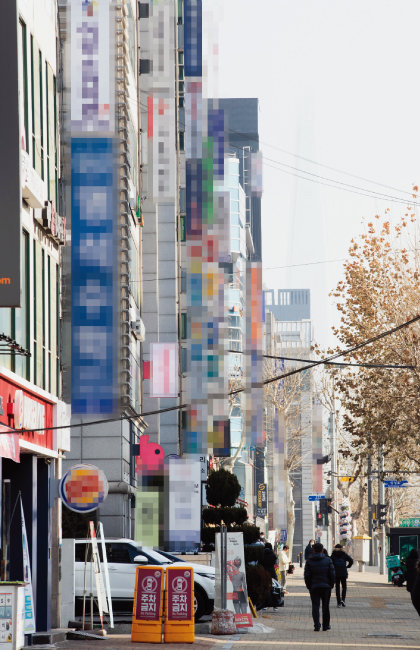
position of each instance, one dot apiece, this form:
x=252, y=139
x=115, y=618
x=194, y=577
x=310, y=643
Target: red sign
x=26, y=410
x=9, y=444
x=179, y=587
x=149, y=594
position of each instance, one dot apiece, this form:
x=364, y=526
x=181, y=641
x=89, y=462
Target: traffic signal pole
x=333, y=478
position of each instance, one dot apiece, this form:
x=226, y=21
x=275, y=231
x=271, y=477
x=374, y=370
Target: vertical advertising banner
x=10, y=174
x=262, y=500
x=184, y=503
x=237, y=592
x=29, y=622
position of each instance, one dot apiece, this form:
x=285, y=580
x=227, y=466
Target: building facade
x=31, y=348
x=102, y=296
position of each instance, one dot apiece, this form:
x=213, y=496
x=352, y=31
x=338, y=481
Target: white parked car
x=123, y=556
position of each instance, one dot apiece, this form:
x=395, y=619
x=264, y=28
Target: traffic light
x=323, y=506
x=319, y=518
x=381, y=512
x=329, y=508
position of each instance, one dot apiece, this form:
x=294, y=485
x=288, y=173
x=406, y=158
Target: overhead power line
x=233, y=392
x=390, y=366
x=313, y=364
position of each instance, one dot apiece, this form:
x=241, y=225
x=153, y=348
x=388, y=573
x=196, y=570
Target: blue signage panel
x=316, y=497
x=391, y=484
x=94, y=309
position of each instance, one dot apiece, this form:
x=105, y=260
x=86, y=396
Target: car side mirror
x=141, y=559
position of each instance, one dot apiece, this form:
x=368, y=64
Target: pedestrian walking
x=284, y=563
x=319, y=578
x=342, y=562
x=308, y=549
x=410, y=563
x=415, y=591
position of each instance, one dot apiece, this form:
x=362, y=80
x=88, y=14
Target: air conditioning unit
x=138, y=329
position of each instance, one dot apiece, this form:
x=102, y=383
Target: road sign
x=316, y=497
x=410, y=522
x=395, y=484
x=347, y=479
x=283, y=535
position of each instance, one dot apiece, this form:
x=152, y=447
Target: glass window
x=57, y=330
x=41, y=113
x=183, y=326
x=43, y=297
x=24, y=81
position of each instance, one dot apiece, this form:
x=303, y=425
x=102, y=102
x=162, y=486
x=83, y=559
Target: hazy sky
x=338, y=83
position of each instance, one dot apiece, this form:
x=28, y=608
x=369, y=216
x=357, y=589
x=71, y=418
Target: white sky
x=338, y=83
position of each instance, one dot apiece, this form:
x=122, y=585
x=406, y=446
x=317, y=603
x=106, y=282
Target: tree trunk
x=290, y=514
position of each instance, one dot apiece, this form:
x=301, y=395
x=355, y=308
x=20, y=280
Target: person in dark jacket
x=411, y=562
x=308, y=549
x=342, y=562
x=269, y=560
x=319, y=577
x=415, y=591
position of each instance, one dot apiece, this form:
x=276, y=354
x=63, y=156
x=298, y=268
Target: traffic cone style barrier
x=179, y=605
x=148, y=605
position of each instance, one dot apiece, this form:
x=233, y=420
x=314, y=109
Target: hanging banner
x=29, y=622
x=236, y=588
x=9, y=445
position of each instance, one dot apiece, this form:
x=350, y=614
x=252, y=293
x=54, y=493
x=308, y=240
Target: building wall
x=102, y=268
x=31, y=384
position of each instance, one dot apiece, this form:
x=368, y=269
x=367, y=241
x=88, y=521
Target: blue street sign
x=316, y=497
x=398, y=484
x=283, y=535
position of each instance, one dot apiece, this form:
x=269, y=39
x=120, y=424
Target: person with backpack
x=342, y=562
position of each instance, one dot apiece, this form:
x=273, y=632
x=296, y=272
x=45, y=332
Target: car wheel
x=200, y=602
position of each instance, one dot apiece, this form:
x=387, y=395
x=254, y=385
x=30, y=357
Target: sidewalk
x=377, y=616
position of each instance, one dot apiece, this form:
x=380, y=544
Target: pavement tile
x=375, y=610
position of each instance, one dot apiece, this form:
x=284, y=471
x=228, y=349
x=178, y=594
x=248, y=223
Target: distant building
x=291, y=336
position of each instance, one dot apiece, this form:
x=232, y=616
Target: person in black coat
x=415, y=590
x=308, y=549
x=319, y=578
x=411, y=562
x=341, y=562
x=269, y=560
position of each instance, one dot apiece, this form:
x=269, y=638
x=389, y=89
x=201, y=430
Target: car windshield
x=154, y=555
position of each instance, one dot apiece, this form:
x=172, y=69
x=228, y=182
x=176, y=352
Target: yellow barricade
x=179, y=605
x=148, y=605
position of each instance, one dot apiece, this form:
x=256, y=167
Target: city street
x=377, y=616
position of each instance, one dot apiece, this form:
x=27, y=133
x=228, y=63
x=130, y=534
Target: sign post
x=179, y=605
x=148, y=605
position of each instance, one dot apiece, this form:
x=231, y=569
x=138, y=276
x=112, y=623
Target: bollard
x=300, y=559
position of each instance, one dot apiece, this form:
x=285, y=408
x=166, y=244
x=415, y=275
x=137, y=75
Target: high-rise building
x=102, y=297
x=32, y=237
x=291, y=335
x=242, y=139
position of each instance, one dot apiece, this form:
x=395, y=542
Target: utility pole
x=331, y=426
x=381, y=500
x=370, y=513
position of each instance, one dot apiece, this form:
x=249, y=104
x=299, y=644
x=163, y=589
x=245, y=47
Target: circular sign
x=83, y=488
x=149, y=584
x=179, y=585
